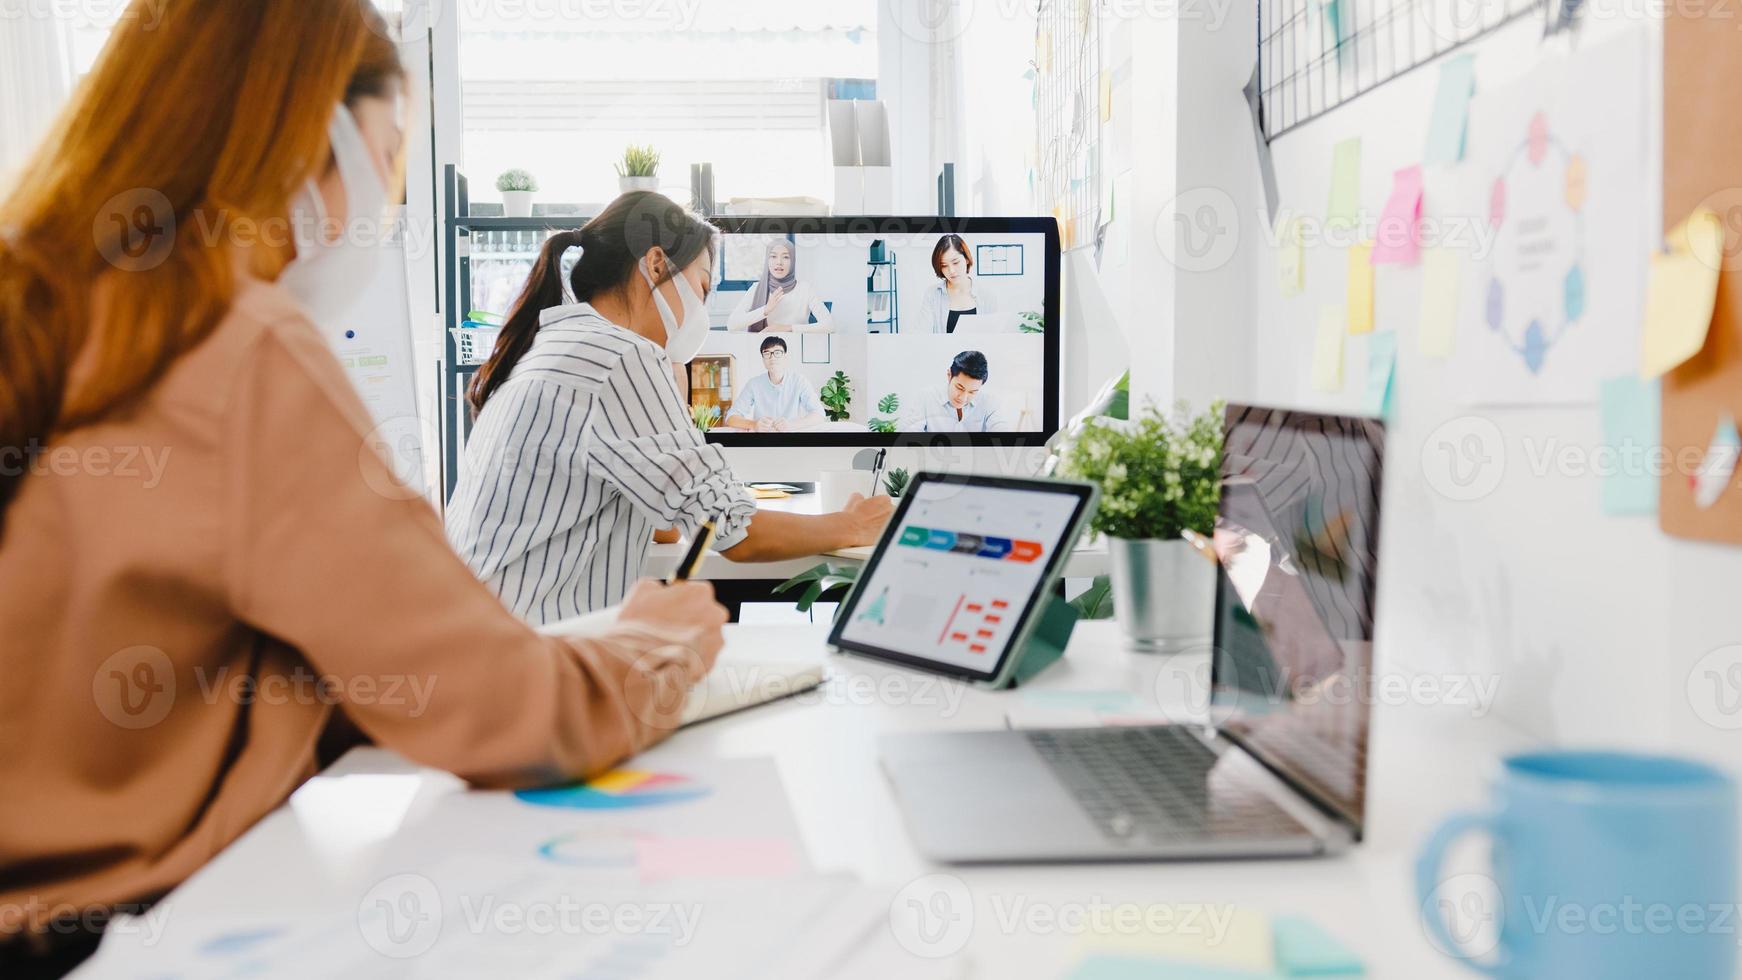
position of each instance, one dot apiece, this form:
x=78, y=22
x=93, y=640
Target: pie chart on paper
x=619, y=789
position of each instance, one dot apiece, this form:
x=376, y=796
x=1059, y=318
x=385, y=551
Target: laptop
x=1279, y=769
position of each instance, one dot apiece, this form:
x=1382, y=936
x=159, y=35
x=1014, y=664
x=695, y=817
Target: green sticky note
x=1631, y=435
x=1445, y=133
x=1345, y=183
x=1381, y=366
x=1305, y=950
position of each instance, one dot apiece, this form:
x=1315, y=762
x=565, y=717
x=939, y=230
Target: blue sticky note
x=1305, y=950
x=1632, y=441
x=1101, y=967
x=1445, y=134
x=1381, y=366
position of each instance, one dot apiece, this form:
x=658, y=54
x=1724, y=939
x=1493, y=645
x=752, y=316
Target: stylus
x=692, y=559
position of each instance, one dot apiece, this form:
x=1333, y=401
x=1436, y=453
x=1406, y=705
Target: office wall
x=1594, y=627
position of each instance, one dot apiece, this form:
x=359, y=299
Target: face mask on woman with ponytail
x=684, y=335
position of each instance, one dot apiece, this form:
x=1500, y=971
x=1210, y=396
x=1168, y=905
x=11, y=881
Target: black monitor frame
x=873, y=227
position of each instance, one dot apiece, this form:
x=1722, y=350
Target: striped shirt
x=573, y=463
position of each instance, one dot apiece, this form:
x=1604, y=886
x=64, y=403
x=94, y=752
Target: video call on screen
x=920, y=333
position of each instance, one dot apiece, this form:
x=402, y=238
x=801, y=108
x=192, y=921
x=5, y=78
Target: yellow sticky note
x=1291, y=259
x=1681, y=293
x=1328, y=350
x=1439, y=300
x=1238, y=938
x=1106, y=95
x=1360, y=298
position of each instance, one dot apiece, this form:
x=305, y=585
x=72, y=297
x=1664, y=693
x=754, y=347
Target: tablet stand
x=1047, y=641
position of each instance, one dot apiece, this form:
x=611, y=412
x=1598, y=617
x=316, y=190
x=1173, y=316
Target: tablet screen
x=954, y=579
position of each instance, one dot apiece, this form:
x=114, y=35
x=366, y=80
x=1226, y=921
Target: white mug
x=835, y=486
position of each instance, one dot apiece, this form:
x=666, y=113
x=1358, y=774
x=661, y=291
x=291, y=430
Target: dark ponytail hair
x=611, y=245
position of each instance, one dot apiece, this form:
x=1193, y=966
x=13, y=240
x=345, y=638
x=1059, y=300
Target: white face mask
x=683, y=339
x=327, y=277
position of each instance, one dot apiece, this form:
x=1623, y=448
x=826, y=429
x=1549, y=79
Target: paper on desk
x=1445, y=135
x=1360, y=292
x=661, y=858
x=1630, y=409
x=1381, y=373
x=1213, y=935
x=1304, y=949
x=1398, y=238
x=1328, y=350
x=1439, y=300
x=1681, y=293
x=1345, y=198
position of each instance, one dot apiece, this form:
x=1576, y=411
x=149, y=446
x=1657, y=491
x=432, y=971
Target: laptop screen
x=1298, y=535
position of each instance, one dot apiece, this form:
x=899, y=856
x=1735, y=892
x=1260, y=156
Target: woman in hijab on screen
x=781, y=303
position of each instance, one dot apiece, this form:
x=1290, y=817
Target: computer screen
x=869, y=331
x=1298, y=538
x=959, y=569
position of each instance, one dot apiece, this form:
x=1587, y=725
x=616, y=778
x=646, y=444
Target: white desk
x=1087, y=561
x=321, y=850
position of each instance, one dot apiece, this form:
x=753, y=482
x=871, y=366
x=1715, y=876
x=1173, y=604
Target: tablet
x=956, y=581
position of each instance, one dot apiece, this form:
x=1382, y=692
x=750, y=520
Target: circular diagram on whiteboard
x=1536, y=284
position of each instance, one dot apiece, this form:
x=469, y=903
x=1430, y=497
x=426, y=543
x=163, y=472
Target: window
x=561, y=87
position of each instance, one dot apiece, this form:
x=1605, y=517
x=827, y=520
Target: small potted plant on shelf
x=1160, y=477
x=517, y=187
x=639, y=170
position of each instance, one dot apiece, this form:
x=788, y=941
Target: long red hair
x=200, y=116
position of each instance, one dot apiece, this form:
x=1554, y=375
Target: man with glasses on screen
x=776, y=401
x=961, y=404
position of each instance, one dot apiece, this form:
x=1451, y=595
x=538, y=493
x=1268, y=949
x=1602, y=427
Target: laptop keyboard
x=1155, y=785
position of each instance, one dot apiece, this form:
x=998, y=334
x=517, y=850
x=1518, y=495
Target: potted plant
x=896, y=481
x=889, y=404
x=639, y=170
x=1160, y=477
x=837, y=397
x=517, y=187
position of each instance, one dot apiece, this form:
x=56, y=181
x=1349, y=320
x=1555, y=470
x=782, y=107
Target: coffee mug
x=1604, y=864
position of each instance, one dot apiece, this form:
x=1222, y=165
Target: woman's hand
x=775, y=295
x=862, y=520
x=684, y=612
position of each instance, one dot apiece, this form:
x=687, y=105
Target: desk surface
x=322, y=849
x=1087, y=561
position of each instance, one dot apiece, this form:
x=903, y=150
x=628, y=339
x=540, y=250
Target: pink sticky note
x=1398, y=238
x=663, y=858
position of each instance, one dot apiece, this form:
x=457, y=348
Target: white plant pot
x=627, y=184
x=517, y=204
x=1164, y=593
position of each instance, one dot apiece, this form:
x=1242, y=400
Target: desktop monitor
x=875, y=331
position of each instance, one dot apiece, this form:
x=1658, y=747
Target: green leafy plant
x=1159, y=475
x=823, y=580
x=639, y=161
x=888, y=405
x=895, y=482
x=1031, y=322
x=705, y=416
x=516, y=180
x=837, y=397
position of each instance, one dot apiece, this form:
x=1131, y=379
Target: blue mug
x=1603, y=865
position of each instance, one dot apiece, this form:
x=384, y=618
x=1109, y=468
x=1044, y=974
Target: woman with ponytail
x=583, y=447
x=192, y=511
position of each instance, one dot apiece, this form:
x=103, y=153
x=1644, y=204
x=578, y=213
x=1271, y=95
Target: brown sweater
x=188, y=591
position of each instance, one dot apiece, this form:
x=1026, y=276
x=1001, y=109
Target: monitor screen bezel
x=1085, y=495
x=871, y=227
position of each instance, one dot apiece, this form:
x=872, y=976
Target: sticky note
x=1713, y=477
x=1219, y=937
x=1291, y=259
x=1681, y=293
x=1360, y=292
x=1451, y=112
x=1398, y=239
x=1439, y=300
x=664, y=858
x=1106, y=95
x=1345, y=183
x=1305, y=950
x=1631, y=434
x=1381, y=366
x=1328, y=350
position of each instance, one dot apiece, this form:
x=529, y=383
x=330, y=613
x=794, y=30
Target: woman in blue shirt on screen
x=582, y=445
x=958, y=291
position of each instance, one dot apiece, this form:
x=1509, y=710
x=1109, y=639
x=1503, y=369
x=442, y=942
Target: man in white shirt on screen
x=961, y=405
x=777, y=400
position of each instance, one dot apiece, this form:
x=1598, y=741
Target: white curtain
x=33, y=81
